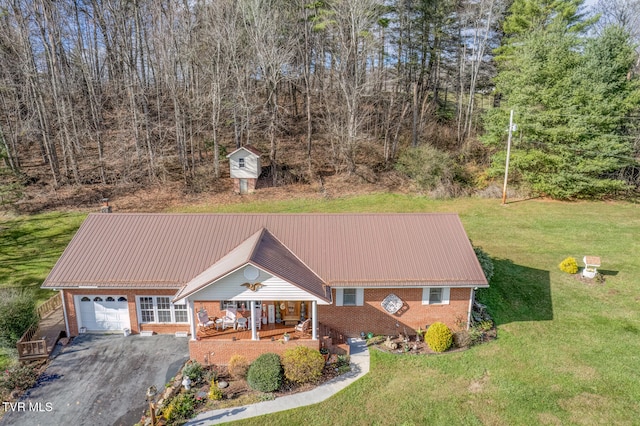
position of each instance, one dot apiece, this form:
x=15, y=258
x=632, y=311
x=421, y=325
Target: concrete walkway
x=359, y=367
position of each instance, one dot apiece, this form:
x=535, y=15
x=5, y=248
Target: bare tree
x=353, y=45
x=272, y=43
x=480, y=18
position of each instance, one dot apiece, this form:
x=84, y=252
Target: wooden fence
x=28, y=348
x=50, y=305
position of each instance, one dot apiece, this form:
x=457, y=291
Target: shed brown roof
x=249, y=148
x=169, y=250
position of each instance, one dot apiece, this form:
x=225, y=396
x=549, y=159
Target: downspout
x=471, y=299
x=64, y=312
x=191, y=313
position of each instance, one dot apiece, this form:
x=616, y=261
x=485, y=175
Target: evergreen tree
x=571, y=95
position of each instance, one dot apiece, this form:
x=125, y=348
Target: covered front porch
x=259, y=285
x=217, y=346
x=251, y=319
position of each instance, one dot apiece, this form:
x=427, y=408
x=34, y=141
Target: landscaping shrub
x=462, y=339
x=18, y=377
x=427, y=166
x=238, y=366
x=375, y=340
x=215, y=393
x=569, y=265
x=438, y=337
x=485, y=262
x=194, y=371
x=180, y=408
x=343, y=364
x=265, y=374
x=302, y=364
x=17, y=314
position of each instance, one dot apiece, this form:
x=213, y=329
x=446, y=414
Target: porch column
x=254, y=332
x=192, y=322
x=314, y=321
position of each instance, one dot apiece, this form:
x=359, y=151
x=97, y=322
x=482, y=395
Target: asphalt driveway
x=100, y=380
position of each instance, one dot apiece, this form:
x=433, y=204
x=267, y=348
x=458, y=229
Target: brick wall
x=352, y=320
x=131, y=300
x=217, y=351
x=251, y=185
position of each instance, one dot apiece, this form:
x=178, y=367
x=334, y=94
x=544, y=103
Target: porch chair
x=302, y=329
x=241, y=323
x=205, y=324
x=229, y=319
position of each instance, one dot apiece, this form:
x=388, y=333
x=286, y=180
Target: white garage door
x=103, y=313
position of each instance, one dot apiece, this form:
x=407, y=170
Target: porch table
x=290, y=319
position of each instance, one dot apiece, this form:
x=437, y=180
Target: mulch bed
x=411, y=347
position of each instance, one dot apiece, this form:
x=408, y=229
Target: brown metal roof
x=263, y=250
x=249, y=148
x=169, y=250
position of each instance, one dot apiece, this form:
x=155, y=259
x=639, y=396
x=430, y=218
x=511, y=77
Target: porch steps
x=332, y=339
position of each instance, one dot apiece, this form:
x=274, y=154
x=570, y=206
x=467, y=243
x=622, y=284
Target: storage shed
x=245, y=168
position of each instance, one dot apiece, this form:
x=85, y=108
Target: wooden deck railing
x=50, y=305
x=29, y=348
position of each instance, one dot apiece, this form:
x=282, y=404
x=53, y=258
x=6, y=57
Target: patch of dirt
x=477, y=386
x=174, y=195
x=599, y=279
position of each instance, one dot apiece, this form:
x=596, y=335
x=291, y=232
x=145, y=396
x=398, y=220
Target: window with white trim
x=160, y=309
x=435, y=295
x=349, y=296
x=180, y=312
x=146, y=309
x=163, y=305
x=241, y=163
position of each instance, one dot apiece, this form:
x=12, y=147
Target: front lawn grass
x=566, y=351
x=29, y=247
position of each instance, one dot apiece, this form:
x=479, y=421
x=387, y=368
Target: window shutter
x=445, y=295
x=359, y=296
x=425, y=295
x=338, y=297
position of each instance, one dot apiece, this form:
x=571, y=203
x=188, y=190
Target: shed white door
x=103, y=313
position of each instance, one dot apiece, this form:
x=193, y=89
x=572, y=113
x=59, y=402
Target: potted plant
x=325, y=353
x=286, y=336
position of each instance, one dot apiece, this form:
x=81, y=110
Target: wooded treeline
x=121, y=91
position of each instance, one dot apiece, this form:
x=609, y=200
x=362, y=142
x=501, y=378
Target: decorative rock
x=222, y=384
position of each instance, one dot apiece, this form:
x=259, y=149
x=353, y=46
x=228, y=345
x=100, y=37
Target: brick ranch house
x=349, y=273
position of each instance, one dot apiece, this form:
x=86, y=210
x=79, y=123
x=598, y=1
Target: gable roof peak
x=249, y=148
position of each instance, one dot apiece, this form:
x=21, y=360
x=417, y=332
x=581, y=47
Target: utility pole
x=506, y=167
